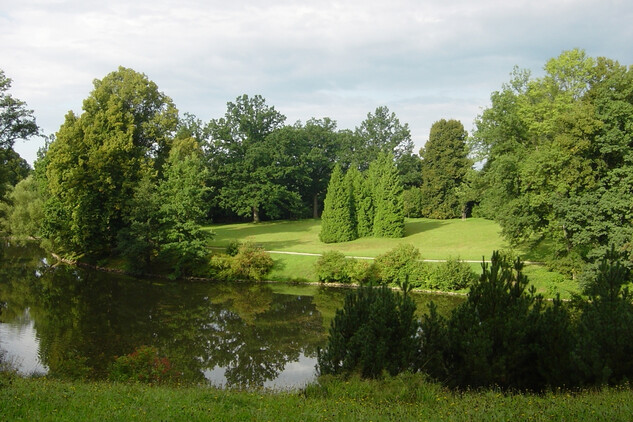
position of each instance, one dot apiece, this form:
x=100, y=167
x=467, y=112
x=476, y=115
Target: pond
x=72, y=322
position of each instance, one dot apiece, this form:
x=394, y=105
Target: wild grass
x=403, y=398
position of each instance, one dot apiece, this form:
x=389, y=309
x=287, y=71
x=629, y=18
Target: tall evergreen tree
x=337, y=222
x=444, y=166
x=364, y=204
x=389, y=204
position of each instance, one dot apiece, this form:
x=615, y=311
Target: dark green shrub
x=333, y=267
x=452, y=274
x=503, y=336
x=251, y=262
x=143, y=365
x=233, y=247
x=373, y=332
x=605, y=329
x=394, y=266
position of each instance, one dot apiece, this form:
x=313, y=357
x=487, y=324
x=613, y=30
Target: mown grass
x=472, y=239
x=437, y=239
x=403, y=398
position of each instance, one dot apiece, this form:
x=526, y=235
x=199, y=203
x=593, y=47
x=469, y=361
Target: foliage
x=233, y=247
x=251, y=262
x=24, y=215
x=445, y=164
x=337, y=221
x=388, y=203
x=401, y=264
x=143, y=365
x=606, y=324
x=412, y=200
x=333, y=267
x=251, y=156
x=557, y=157
x=97, y=159
x=501, y=336
x=16, y=121
x=452, y=274
x=373, y=332
x=381, y=132
x=182, y=195
x=362, y=271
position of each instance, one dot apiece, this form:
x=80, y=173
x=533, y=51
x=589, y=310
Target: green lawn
x=437, y=239
x=470, y=239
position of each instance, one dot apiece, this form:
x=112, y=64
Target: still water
x=66, y=321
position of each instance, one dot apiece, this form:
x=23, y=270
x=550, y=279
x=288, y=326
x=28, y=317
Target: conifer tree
x=445, y=164
x=337, y=224
x=389, y=204
x=364, y=204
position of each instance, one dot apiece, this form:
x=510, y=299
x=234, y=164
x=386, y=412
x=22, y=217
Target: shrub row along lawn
x=403, y=398
x=470, y=239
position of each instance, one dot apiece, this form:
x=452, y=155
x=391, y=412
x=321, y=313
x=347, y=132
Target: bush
x=143, y=365
x=251, y=262
x=452, y=274
x=233, y=247
x=605, y=329
x=373, y=332
x=362, y=271
x=503, y=336
x=400, y=263
x=333, y=267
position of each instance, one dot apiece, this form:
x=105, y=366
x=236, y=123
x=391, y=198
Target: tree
x=337, y=221
x=16, y=121
x=23, y=210
x=97, y=160
x=321, y=150
x=388, y=200
x=182, y=195
x=445, y=164
x=381, y=132
x=373, y=332
x=244, y=165
x=557, y=152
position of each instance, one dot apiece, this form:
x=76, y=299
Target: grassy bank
x=470, y=239
x=402, y=398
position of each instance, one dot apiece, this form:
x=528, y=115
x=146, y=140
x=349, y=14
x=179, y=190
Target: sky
x=424, y=59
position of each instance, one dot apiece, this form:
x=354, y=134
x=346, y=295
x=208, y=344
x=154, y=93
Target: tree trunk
x=315, y=206
x=255, y=214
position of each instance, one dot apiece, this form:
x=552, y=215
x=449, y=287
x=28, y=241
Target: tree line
x=548, y=159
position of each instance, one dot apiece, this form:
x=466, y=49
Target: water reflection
x=228, y=334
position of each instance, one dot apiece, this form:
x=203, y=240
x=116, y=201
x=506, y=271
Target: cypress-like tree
x=389, y=204
x=364, y=204
x=444, y=166
x=337, y=222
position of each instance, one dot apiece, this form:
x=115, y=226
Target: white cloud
x=424, y=59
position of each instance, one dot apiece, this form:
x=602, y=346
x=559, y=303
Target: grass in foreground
x=403, y=398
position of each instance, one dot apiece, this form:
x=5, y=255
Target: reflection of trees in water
x=254, y=350
x=85, y=319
